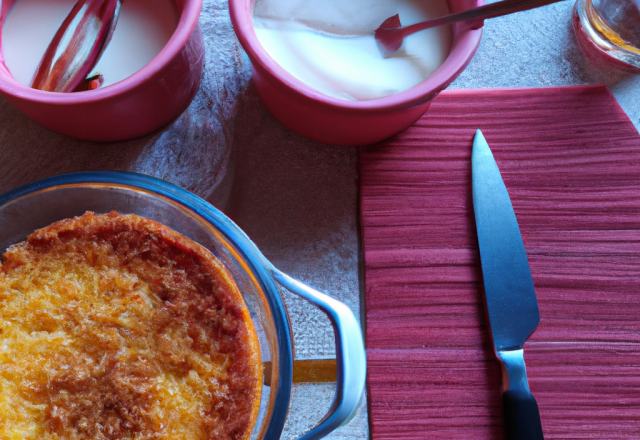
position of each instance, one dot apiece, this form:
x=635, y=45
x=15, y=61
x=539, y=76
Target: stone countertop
x=297, y=199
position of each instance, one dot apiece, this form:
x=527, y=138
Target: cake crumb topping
x=116, y=327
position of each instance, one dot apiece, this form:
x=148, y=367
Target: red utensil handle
x=480, y=13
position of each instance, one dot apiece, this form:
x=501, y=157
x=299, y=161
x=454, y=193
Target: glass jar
x=608, y=32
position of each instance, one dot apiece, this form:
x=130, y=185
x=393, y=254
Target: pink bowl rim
x=462, y=50
x=184, y=29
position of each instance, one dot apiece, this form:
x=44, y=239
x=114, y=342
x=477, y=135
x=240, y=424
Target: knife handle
x=521, y=416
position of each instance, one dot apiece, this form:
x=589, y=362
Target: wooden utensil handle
x=307, y=371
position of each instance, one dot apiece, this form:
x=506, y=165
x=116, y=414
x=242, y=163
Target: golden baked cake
x=116, y=327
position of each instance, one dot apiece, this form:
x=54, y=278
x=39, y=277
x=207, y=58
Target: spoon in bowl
x=390, y=34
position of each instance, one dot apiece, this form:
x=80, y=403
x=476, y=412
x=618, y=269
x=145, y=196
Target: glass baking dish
x=33, y=206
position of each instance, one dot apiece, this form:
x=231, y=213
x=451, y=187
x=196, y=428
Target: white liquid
x=329, y=44
x=144, y=28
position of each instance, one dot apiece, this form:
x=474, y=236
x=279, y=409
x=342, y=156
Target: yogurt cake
x=116, y=327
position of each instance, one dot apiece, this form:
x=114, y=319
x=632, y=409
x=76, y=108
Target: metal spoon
x=390, y=34
x=77, y=45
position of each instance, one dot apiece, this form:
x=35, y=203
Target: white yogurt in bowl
x=329, y=44
x=144, y=28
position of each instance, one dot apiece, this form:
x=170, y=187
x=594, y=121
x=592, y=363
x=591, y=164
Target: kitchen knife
x=511, y=302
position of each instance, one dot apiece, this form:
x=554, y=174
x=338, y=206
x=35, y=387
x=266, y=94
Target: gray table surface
x=297, y=199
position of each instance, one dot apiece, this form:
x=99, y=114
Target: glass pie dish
x=36, y=205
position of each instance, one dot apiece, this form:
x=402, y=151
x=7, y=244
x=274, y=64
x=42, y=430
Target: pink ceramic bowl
x=133, y=107
x=336, y=121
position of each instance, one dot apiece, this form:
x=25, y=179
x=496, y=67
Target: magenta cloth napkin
x=570, y=159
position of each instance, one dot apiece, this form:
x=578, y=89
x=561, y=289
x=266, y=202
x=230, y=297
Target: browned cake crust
x=116, y=327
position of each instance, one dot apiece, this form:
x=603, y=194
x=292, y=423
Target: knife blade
x=511, y=304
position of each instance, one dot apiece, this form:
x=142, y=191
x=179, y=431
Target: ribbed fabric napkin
x=570, y=159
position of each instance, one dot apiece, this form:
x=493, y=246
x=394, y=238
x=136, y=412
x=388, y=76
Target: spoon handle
x=480, y=13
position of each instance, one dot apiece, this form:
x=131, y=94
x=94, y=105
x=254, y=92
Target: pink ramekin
x=133, y=107
x=340, y=122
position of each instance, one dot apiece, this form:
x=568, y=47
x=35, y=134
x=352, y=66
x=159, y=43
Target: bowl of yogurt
x=318, y=69
x=152, y=68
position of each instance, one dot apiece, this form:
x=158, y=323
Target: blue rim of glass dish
x=254, y=258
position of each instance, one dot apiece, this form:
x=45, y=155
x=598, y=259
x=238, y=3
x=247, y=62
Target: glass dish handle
x=350, y=356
